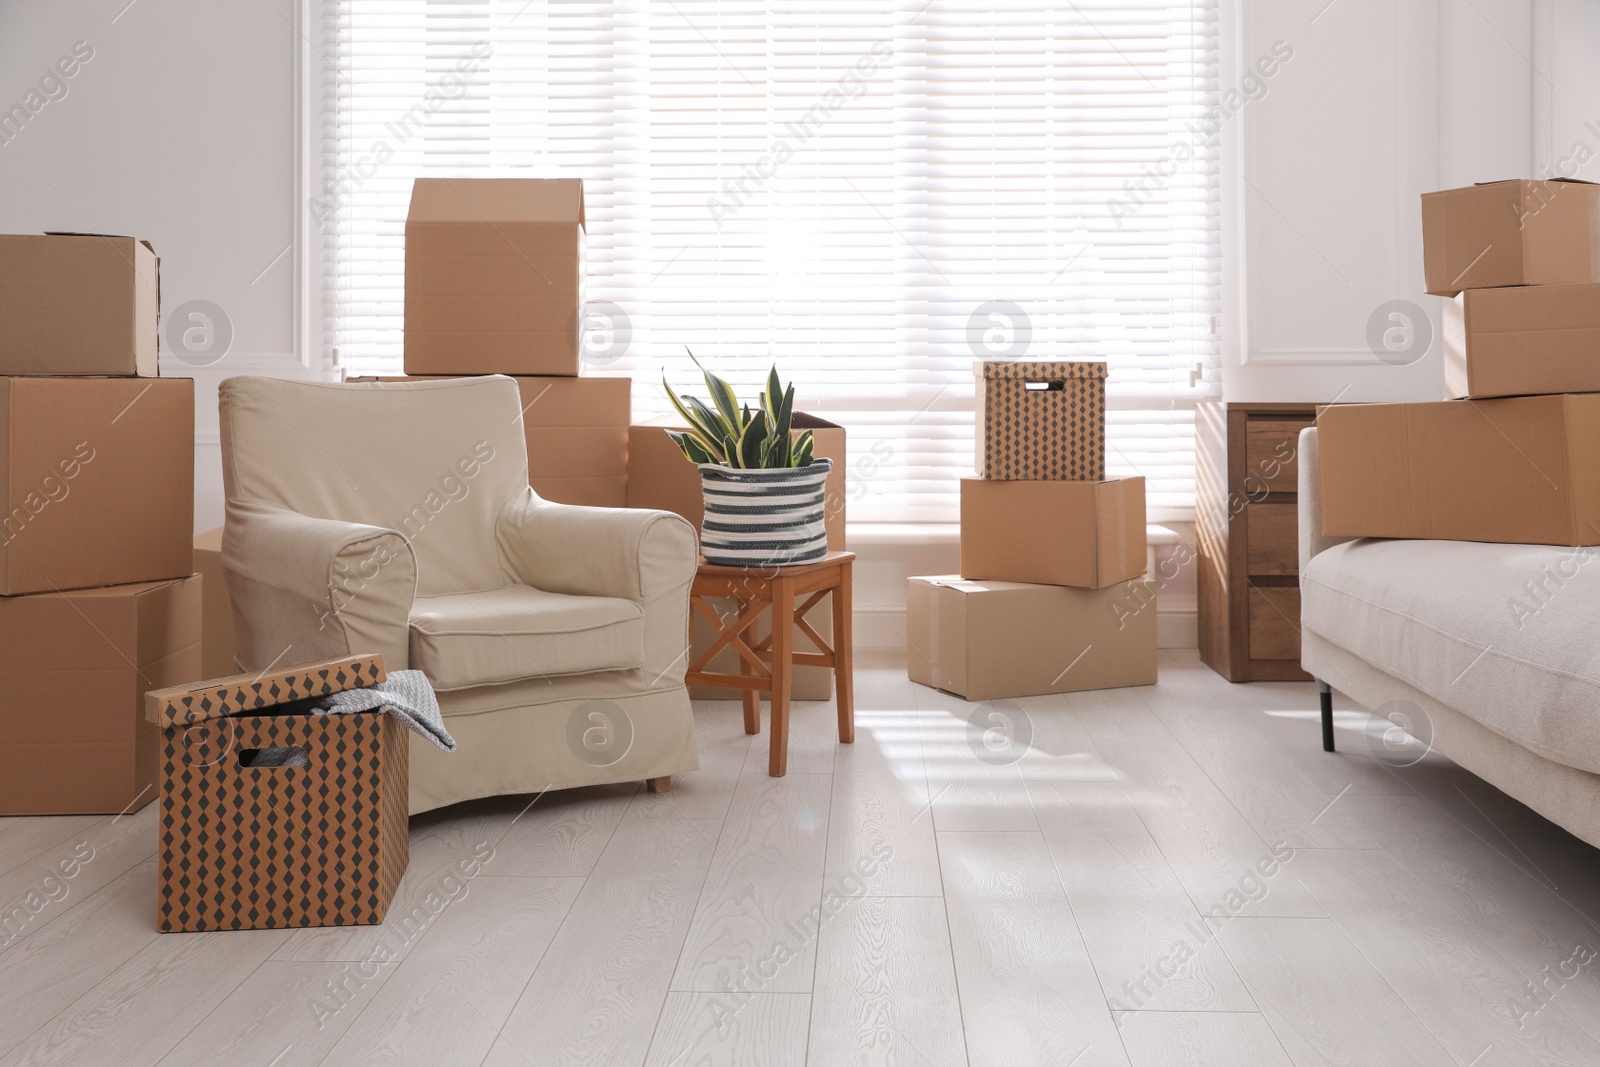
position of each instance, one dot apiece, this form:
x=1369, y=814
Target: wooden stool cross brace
x=767, y=665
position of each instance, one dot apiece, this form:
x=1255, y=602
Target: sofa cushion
x=505, y=635
x=1505, y=634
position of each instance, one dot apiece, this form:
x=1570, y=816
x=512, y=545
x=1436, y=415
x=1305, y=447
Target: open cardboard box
x=494, y=276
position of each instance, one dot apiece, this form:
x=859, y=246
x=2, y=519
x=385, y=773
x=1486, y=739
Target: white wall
x=1383, y=100
x=180, y=130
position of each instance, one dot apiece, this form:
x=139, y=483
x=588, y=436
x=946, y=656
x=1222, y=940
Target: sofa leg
x=1326, y=693
x=659, y=785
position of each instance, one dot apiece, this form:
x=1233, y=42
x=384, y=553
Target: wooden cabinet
x=1247, y=469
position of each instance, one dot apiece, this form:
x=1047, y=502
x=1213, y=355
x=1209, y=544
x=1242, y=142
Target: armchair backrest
x=434, y=460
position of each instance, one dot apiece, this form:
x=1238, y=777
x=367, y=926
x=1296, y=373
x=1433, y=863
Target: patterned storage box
x=1042, y=421
x=274, y=817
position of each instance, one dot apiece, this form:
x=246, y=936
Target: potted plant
x=764, y=494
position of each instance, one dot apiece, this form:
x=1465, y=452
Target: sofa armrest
x=620, y=552
x=306, y=588
x=1309, y=498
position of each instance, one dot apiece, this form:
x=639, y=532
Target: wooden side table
x=767, y=665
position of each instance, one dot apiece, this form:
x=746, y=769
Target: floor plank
x=599, y=990
x=1145, y=936
x=1029, y=993
x=1521, y=917
x=751, y=927
x=1215, y=853
x=1201, y=1039
x=881, y=802
x=285, y=1014
x=1324, y=1001
x=710, y=1030
x=447, y=1000
x=1467, y=996
x=886, y=987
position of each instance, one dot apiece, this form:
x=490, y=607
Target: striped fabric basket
x=761, y=517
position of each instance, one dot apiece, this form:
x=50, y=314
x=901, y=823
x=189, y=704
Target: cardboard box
x=577, y=431
x=96, y=482
x=78, y=304
x=1518, y=232
x=1520, y=470
x=1523, y=340
x=660, y=477
x=74, y=668
x=990, y=640
x=217, y=641
x=1041, y=420
x=494, y=276
x=1087, y=534
x=274, y=817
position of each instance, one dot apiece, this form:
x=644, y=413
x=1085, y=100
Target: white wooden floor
x=916, y=898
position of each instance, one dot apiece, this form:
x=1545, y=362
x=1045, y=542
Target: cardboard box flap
x=1039, y=371
x=185, y=704
x=495, y=200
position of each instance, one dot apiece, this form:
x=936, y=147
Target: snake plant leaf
x=750, y=442
x=800, y=455
x=701, y=419
x=772, y=396
x=726, y=402
x=691, y=447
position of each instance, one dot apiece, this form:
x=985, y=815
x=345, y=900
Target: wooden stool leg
x=782, y=670
x=659, y=785
x=843, y=670
x=751, y=698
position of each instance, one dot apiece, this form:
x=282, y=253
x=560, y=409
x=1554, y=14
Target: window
x=870, y=195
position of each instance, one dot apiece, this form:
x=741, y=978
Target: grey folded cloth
x=407, y=695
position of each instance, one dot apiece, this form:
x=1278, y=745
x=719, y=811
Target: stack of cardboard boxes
x=1516, y=456
x=97, y=602
x=1052, y=596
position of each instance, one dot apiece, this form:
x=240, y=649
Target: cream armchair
x=397, y=518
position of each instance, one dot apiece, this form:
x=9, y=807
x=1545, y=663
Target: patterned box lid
x=1038, y=371
x=182, y=705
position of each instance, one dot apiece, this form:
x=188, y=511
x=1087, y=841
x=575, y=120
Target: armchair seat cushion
x=505, y=635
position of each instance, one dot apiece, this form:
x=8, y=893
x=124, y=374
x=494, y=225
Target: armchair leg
x=659, y=785
x=1325, y=692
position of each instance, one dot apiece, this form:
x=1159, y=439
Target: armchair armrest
x=648, y=557
x=307, y=588
x=630, y=553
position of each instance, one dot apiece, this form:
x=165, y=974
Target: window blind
x=871, y=196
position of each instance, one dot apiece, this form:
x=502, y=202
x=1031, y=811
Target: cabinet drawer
x=1272, y=533
x=1272, y=455
x=1275, y=622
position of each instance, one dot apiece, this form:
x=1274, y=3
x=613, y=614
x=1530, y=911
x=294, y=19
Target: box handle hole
x=297, y=756
x=1044, y=387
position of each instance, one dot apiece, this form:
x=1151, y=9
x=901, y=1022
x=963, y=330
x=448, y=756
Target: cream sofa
x=1492, y=648
x=397, y=518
